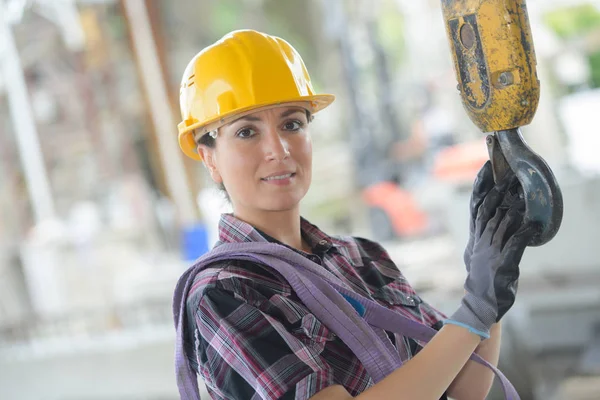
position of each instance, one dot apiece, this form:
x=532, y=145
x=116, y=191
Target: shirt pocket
x=406, y=305
x=311, y=327
x=312, y=332
x=389, y=295
x=302, y=324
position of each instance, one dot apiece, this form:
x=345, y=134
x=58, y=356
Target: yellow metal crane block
x=494, y=60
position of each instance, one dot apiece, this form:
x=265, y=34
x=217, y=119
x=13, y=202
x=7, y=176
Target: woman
x=247, y=103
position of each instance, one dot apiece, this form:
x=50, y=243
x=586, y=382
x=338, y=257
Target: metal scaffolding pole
x=160, y=109
x=26, y=134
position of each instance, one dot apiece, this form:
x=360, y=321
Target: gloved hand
x=499, y=239
x=484, y=183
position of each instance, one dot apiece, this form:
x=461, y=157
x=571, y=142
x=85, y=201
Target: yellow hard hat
x=244, y=71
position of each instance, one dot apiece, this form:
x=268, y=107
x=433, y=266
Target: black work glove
x=499, y=239
x=484, y=183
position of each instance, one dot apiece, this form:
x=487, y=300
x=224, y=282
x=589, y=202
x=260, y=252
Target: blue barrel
x=195, y=242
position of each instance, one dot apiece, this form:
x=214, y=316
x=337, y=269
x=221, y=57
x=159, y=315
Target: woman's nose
x=277, y=147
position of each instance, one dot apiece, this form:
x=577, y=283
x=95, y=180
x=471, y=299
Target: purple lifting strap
x=323, y=294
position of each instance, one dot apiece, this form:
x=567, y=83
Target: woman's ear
x=208, y=159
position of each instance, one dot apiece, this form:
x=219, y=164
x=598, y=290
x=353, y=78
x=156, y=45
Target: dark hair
x=207, y=141
x=210, y=142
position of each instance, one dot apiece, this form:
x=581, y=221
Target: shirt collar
x=234, y=230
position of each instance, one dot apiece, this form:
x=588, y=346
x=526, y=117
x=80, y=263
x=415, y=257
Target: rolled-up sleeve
x=246, y=353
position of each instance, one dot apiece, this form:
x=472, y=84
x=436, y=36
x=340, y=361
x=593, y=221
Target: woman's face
x=263, y=159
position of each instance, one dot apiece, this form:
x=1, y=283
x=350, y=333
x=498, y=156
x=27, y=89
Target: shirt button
x=323, y=242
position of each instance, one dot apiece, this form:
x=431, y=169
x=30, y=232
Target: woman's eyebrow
x=248, y=118
x=292, y=111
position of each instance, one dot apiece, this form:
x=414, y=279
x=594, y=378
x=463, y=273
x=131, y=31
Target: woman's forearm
x=474, y=380
x=429, y=374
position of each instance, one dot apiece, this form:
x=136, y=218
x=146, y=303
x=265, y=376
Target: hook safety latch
x=543, y=198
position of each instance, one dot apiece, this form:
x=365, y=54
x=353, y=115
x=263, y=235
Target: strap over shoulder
x=360, y=322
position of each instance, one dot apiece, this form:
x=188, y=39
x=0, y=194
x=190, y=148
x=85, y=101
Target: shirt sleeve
x=246, y=351
x=432, y=316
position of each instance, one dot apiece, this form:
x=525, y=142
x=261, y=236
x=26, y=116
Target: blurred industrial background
x=100, y=213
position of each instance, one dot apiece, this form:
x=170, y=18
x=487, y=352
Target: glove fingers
x=484, y=182
x=484, y=188
x=507, y=275
x=490, y=204
x=511, y=222
x=516, y=245
x=492, y=226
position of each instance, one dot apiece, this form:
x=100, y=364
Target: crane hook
x=543, y=197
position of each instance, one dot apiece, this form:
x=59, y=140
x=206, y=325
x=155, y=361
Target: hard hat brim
x=188, y=145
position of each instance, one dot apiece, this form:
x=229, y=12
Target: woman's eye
x=246, y=133
x=293, y=125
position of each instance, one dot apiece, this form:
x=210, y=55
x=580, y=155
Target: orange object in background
x=460, y=163
x=395, y=213
x=404, y=216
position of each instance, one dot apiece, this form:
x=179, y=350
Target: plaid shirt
x=255, y=339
